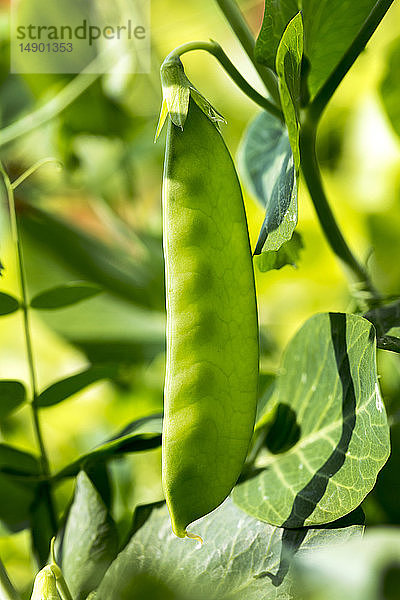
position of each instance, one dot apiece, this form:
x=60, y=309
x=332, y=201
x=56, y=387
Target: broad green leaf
x=288, y=254
x=65, y=388
x=330, y=412
x=367, y=568
x=387, y=324
x=8, y=304
x=12, y=395
x=241, y=557
x=140, y=435
x=17, y=487
x=89, y=541
x=329, y=29
x=64, y=295
x=288, y=67
x=266, y=164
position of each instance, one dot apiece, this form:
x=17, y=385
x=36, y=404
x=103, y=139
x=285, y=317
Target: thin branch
x=333, y=234
x=242, y=31
x=215, y=49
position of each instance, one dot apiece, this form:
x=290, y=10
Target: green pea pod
x=212, y=330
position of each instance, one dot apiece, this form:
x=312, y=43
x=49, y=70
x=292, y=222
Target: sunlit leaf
x=89, y=541
x=267, y=167
x=330, y=437
x=241, y=557
x=288, y=254
x=329, y=30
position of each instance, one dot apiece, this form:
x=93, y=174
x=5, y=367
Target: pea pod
x=212, y=331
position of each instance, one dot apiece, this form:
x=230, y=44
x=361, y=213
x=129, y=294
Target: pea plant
x=263, y=474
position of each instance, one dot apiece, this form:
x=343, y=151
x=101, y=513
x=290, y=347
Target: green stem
x=28, y=339
x=7, y=590
x=360, y=41
x=242, y=31
x=215, y=49
x=325, y=215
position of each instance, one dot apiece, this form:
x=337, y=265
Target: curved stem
x=27, y=331
x=242, y=31
x=324, y=95
x=33, y=169
x=215, y=49
x=325, y=215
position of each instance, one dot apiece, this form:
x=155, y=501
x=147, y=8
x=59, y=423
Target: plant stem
x=360, y=41
x=325, y=215
x=215, y=49
x=28, y=339
x=7, y=590
x=242, y=31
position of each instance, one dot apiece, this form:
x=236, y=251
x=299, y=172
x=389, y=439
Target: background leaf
x=8, y=304
x=241, y=557
x=330, y=411
x=12, y=395
x=142, y=434
x=361, y=569
x=329, y=30
x=65, y=388
x=64, y=295
x=266, y=164
x=89, y=542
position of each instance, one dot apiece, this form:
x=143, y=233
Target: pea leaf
x=64, y=295
x=331, y=432
x=266, y=164
x=390, y=86
x=369, y=568
x=241, y=557
x=288, y=67
x=329, y=30
x=8, y=304
x=89, y=541
x=17, y=488
x=287, y=254
x=142, y=434
x=12, y=395
x=65, y=388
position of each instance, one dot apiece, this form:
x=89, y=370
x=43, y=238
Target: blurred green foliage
x=99, y=220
